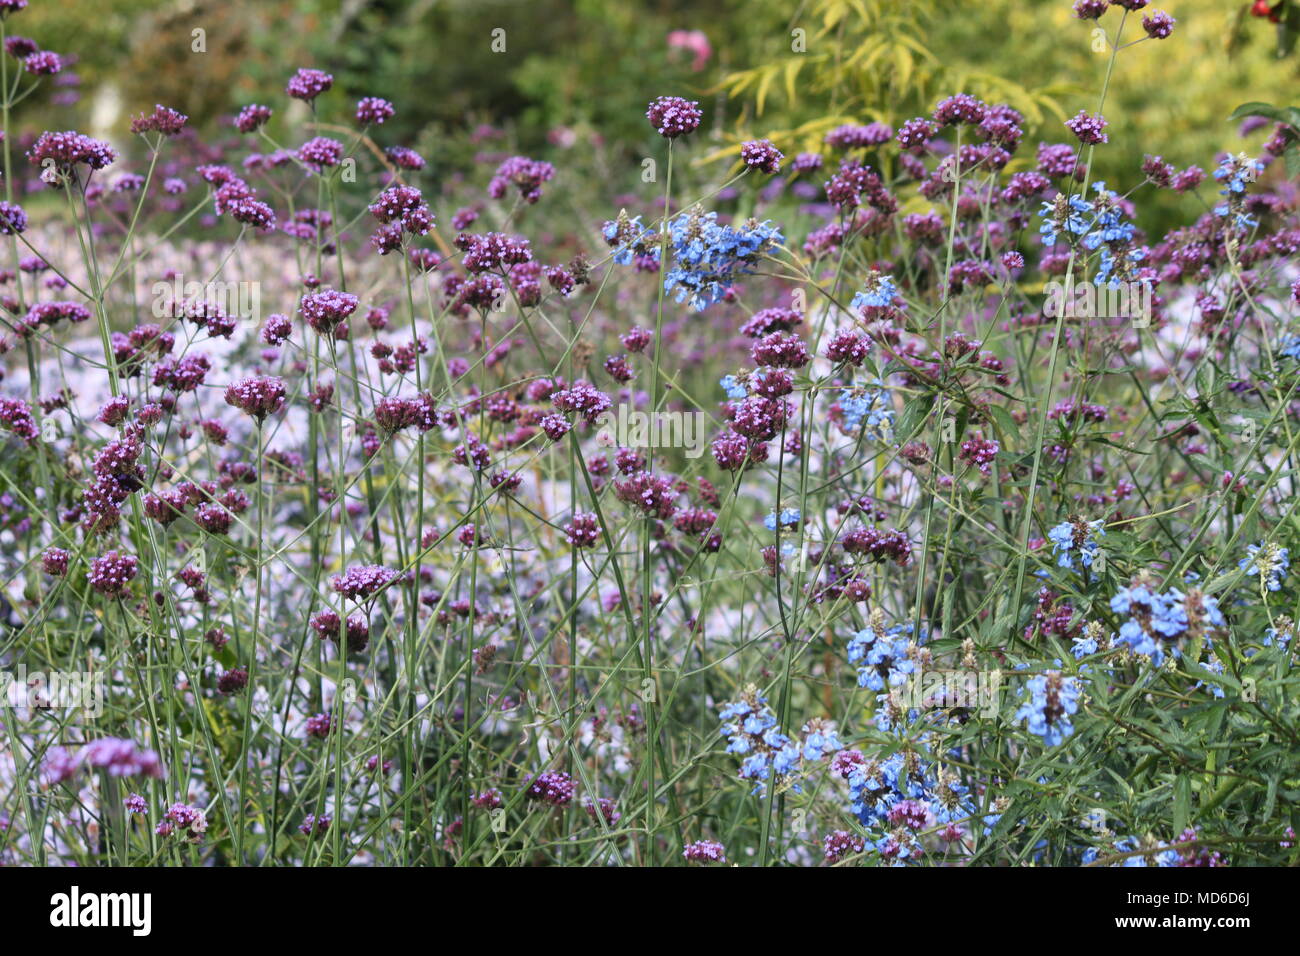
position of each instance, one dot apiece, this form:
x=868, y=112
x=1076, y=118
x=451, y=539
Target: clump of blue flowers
x=733, y=387
x=751, y=730
x=1113, y=234
x=1075, y=536
x=788, y=518
x=1052, y=700
x=707, y=256
x=1155, y=620
x=878, y=292
x=1236, y=172
x=1268, y=561
x=630, y=240
x=1072, y=217
x=885, y=656
x=868, y=409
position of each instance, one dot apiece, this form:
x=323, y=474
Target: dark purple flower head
x=916, y=134
x=1158, y=25
x=583, y=531
x=960, y=108
x=20, y=47
x=67, y=149
x=251, y=117
x=162, y=120
x=277, y=329
x=1089, y=129
x=55, y=562
x=321, y=152
x=363, y=581
x=760, y=154
x=404, y=158
x=705, y=851
x=16, y=416
x=13, y=219
x=43, y=63
x=232, y=681
x=111, y=574
x=307, y=84
x=554, y=787
x=258, y=396
x=1090, y=9
x=372, y=111
x=673, y=116
x=492, y=251
x=325, y=309
x=526, y=175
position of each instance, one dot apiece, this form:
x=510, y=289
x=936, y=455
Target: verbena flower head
x=373, y=111
x=307, y=84
x=1089, y=129
x=63, y=151
x=363, y=582
x=162, y=120
x=760, y=154
x=672, y=116
x=258, y=396
x=252, y=117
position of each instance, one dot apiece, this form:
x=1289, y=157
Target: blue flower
x=1268, y=561
x=789, y=518
x=878, y=292
x=1053, y=699
x=1076, y=536
x=731, y=385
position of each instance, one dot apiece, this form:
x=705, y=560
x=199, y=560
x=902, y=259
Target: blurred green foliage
x=776, y=69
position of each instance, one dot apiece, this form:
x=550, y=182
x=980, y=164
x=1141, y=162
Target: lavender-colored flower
x=112, y=573
x=13, y=219
x=121, y=758
x=526, y=175
x=673, y=116
x=307, y=84
x=70, y=148
x=251, y=117
x=1158, y=25
x=258, y=396
x=960, y=108
x=916, y=134
x=162, y=120
x=554, y=787
x=1089, y=129
x=55, y=562
x=185, y=821
x=371, y=110
x=362, y=582
x=325, y=309
x=43, y=63
x=705, y=851
x=583, y=531
x=321, y=152
x=760, y=154
x=16, y=416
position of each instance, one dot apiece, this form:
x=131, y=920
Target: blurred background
x=581, y=72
